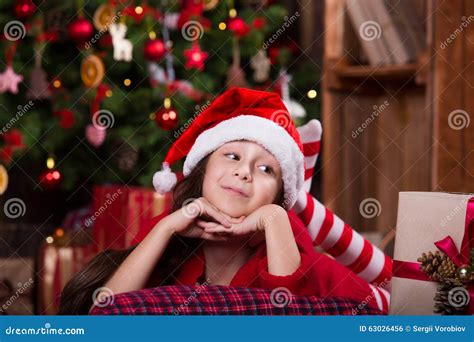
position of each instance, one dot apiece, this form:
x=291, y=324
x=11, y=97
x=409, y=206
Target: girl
x=229, y=224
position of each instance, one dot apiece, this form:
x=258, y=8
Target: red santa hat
x=240, y=114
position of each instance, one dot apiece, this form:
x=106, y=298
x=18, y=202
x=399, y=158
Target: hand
x=184, y=221
x=253, y=225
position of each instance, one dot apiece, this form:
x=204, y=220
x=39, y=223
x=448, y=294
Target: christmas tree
x=96, y=91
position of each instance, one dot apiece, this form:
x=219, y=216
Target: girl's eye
x=266, y=169
x=232, y=156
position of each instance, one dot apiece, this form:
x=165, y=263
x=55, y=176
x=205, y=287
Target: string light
x=127, y=82
x=312, y=94
x=167, y=102
x=139, y=10
x=50, y=163
x=59, y=232
x=49, y=239
x=152, y=35
x=56, y=83
x=232, y=13
x=109, y=93
x=222, y=26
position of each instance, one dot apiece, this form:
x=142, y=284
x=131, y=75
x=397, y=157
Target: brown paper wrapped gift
x=425, y=218
x=16, y=286
x=57, y=265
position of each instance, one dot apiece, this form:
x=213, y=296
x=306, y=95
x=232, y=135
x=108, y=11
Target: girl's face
x=241, y=176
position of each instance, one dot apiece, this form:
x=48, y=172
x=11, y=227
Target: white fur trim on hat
x=266, y=133
x=164, y=180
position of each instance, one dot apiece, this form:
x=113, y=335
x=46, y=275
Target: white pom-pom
x=164, y=180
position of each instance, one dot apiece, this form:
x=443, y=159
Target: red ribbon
x=412, y=270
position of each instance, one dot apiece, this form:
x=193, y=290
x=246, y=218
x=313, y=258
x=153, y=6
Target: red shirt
x=317, y=275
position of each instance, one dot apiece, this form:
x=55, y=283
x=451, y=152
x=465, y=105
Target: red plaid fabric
x=225, y=300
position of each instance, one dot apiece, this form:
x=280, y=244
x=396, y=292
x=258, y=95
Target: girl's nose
x=243, y=173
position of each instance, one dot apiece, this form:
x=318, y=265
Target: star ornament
x=9, y=81
x=195, y=58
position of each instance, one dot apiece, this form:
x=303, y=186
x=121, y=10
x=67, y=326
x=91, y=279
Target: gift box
x=120, y=211
x=440, y=225
x=16, y=286
x=57, y=265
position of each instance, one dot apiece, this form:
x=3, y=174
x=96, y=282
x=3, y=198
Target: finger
x=218, y=229
x=206, y=224
x=217, y=215
x=237, y=219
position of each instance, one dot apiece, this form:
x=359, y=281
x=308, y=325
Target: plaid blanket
x=225, y=300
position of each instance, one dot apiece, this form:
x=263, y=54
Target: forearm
x=134, y=272
x=282, y=251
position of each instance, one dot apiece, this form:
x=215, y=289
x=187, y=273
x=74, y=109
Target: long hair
x=77, y=296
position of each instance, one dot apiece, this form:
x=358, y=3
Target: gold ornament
x=103, y=17
x=440, y=268
x=464, y=273
x=3, y=179
x=92, y=71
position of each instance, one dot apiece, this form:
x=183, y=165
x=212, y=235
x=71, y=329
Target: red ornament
x=154, y=49
x=195, y=58
x=80, y=30
x=238, y=26
x=6, y=154
x=95, y=135
x=50, y=179
x=66, y=118
x=24, y=9
x=13, y=138
x=166, y=118
x=259, y=23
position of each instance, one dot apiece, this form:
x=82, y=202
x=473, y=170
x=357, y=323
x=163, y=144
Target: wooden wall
x=452, y=89
x=407, y=146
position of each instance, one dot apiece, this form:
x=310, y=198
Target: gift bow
x=412, y=270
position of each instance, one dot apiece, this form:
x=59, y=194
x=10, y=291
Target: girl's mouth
x=235, y=191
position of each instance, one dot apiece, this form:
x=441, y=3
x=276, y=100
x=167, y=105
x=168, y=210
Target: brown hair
x=77, y=296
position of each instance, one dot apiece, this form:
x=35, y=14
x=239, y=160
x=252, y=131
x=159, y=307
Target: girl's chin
x=233, y=210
